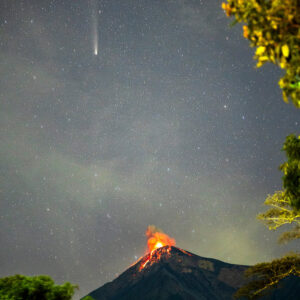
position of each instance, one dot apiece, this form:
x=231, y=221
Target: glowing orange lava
x=158, y=239
x=154, y=256
x=158, y=245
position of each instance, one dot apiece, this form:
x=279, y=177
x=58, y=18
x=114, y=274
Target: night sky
x=169, y=124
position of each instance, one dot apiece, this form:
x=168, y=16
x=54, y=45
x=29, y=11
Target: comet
x=95, y=26
x=96, y=47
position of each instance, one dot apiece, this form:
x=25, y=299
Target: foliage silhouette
x=20, y=287
x=266, y=276
x=273, y=26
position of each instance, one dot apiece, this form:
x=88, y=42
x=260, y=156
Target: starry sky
x=170, y=124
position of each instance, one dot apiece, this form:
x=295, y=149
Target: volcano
x=170, y=273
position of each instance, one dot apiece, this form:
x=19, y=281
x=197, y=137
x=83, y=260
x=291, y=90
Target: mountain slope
x=170, y=273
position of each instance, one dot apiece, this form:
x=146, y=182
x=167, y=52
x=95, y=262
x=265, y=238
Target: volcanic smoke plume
x=157, y=238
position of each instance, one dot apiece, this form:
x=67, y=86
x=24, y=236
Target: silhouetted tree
x=266, y=276
x=20, y=287
x=273, y=26
x=285, y=205
x=284, y=210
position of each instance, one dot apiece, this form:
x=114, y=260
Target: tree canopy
x=273, y=26
x=285, y=205
x=268, y=275
x=291, y=170
x=281, y=213
x=284, y=209
x=20, y=287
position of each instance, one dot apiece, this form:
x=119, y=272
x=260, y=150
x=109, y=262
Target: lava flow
x=154, y=256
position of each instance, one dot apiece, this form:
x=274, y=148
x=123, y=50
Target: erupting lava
x=158, y=239
x=160, y=246
x=154, y=256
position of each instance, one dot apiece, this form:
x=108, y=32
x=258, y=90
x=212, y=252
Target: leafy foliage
x=281, y=213
x=291, y=170
x=20, y=287
x=285, y=205
x=285, y=209
x=273, y=26
x=265, y=276
x=290, y=235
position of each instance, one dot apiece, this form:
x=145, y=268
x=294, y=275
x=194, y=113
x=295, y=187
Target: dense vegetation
x=20, y=287
x=285, y=204
x=266, y=276
x=284, y=209
x=273, y=27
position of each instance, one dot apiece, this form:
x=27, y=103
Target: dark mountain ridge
x=170, y=273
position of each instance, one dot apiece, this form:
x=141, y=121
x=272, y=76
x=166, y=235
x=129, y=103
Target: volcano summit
x=170, y=273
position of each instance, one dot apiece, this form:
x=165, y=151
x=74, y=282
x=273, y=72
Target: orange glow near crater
x=157, y=239
x=158, y=245
x=154, y=256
